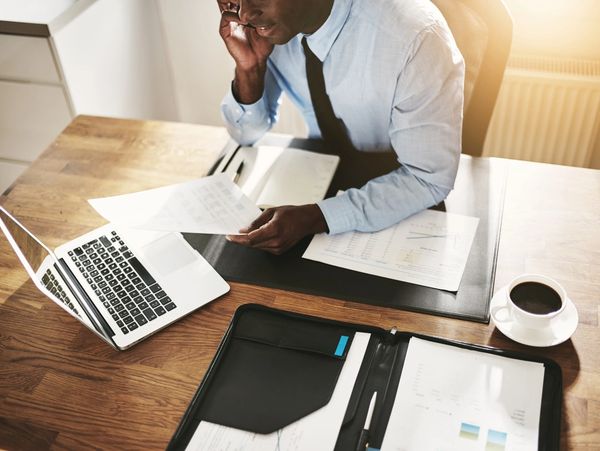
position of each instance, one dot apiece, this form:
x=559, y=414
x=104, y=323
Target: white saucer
x=560, y=329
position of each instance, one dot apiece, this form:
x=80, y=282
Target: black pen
x=363, y=439
x=238, y=172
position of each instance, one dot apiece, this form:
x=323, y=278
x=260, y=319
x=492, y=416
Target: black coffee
x=534, y=297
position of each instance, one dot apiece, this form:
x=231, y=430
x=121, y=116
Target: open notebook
x=273, y=176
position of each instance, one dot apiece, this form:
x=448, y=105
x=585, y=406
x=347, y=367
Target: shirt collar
x=321, y=41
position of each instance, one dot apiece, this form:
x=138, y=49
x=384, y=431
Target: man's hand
x=278, y=229
x=249, y=51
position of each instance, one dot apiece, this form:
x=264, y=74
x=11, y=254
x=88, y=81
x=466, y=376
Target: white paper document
x=207, y=205
x=317, y=431
x=458, y=399
x=273, y=176
x=430, y=248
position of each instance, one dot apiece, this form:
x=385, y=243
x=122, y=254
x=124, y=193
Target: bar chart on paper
x=430, y=248
x=473, y=401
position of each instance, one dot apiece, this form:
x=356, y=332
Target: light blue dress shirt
x=395, y=77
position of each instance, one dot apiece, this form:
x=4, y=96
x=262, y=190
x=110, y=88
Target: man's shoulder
x=405, y=17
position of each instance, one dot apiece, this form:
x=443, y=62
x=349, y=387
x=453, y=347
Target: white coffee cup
x=532, y=301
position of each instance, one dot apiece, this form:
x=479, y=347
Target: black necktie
x=355, y=168
x=332, y=129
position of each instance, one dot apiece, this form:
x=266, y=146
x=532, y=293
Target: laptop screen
x=30, y=251
x=39, y=262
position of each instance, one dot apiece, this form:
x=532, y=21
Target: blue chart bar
x=469, y=431
x=496, y=440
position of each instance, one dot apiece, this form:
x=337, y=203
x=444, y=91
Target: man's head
x=278, y=21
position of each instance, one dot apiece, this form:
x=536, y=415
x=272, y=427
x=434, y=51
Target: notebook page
x=297, y=177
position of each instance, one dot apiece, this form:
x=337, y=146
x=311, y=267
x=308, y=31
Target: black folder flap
x=274, y=371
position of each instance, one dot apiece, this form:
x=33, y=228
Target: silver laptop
x=124, y=285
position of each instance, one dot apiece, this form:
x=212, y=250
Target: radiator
x=548, y=110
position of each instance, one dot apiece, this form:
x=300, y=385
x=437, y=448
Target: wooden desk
x=62, y=388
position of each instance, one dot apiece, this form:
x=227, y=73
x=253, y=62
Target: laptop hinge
x=86, y=303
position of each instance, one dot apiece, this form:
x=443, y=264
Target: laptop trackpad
x=168, y=254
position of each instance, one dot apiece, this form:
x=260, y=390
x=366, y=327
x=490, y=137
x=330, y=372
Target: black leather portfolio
x=478, y=191
x=274, y=368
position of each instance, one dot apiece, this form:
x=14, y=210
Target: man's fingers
x=238, y=239
x=228, y=6
x=264, y=218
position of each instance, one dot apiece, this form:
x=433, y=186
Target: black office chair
x=483, y=32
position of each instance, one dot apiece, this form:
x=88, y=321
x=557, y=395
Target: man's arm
x=425, y=131
x=249, y=109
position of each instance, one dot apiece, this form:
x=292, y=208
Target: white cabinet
x=99, y=57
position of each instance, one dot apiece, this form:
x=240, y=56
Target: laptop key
x=170, y=306
x=124, y=330
x=160, y=311
x=128, y=319
x=154, y=304
x=132, y=326
x=120, y=323
x=135, y=311
x=141, y=319
x=165, y=300
x=130, y=305
x=149, y=314
x=143, y=272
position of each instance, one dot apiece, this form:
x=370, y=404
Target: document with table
x=207, y=205
x=430, y=248
x=285, y=381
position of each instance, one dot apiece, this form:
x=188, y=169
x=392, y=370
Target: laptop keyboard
x=127, y=290
x=50, y=282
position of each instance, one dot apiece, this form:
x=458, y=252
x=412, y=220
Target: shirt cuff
x=246, y=123
x=339, y=214
x=241, y=113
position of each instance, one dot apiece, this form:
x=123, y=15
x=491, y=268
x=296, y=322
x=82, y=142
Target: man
x=393, y=75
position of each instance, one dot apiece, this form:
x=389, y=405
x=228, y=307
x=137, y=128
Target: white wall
x=201, y=66
x=115, y=63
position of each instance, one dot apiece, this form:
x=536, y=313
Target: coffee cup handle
x=494, y=312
